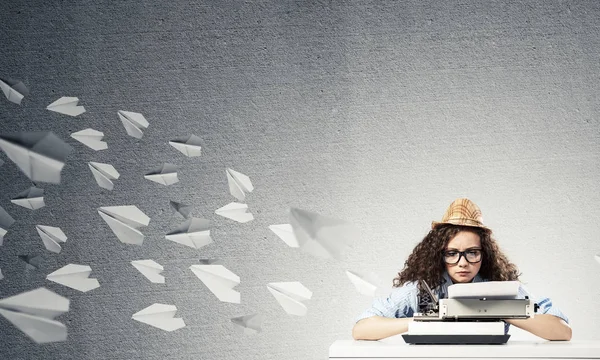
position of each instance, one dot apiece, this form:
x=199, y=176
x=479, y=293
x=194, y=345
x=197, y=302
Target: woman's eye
x=451, y=253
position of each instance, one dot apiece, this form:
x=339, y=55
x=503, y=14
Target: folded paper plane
x=239, y=184
x=51, y=236
x=5, y=222
x=250, y=324
x=74, y=276
x=33, y=313
x=150, y=269
x=188, y=145
x=32, y=198
x=104, y=174
x=219, y=280
x=290, y=296
x=364, y=284
x=134, y=123
x=194, y=232
x=14, y=90
x=165, y=174
x=124, y=222
x=181, y=208
x=235, y=211
x=66, y=105
x=90, y=138
x=40, y=155
x=160, y=316
x=285, y=233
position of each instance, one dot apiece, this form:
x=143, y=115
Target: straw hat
x=462, y=212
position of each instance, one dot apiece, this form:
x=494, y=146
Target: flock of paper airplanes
x=33, y=313
x=166, y=174
x=239, y=184
x=290, y=296
x=134, y=123
x=6, y=221
x=219, y=280
x=91, y=138
x=249, y=324
x=235, y=211
x=14, y=90
x=188, y=146
x=51, y=237
x=74, y=276
x=104, y=174
x=160, y=316
x=150, y=269
x=194, y=232
x=66, y=105
x=32, y=198
x=124, y=222
x=40, y=155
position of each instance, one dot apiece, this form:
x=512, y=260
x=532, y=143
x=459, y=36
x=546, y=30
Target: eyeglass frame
x=461, y=254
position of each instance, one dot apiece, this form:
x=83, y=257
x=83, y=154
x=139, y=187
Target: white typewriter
x=473, y=313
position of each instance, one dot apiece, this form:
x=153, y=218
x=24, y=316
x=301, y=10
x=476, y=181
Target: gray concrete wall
x=379, y=113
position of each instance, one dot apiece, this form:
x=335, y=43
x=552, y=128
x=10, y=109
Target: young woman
x=459, y=249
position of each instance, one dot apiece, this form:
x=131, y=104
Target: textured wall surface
x=379, y=113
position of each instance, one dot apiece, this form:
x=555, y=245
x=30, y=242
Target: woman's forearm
x=378, y=327
x=546, y=326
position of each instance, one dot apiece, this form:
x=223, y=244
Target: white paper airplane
x=183, y=209
x=32, y=262
x=290, y=296
x=322, y=236
x=33, y=313
x=194, y=232
x=239, y=184
x=134, y=123
x=91, y=138
x=32, y=198
x=160, y=316
x=66, y=105
x=150, y=269
x=285, y=233
x=124, y=221
x=188, y=146
x=219, y=280
x=5, y=222
x=74, y=276
x=51, y=236
x=14, y=90
x=250, y=324
x=40, y=155
x=104, y=174
x=364, y=284
x=235, y=211
x=165, y=174
x=597, y=257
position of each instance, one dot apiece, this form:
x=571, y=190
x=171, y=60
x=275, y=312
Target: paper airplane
x=32, y=262
x=5, y=222
x=219, y=280
x=250, y=324
x=285, y=233
x=40, y=155
x=289, y=295
x=322, y=236
x=194, y=232
x=14, y=90
x=51, y=236
x=33, y=313
x=66, y=105
x=32, y=198
x=235, y=211
x=150, y=269
x=183, y=209
x=124, y=221
x=104, y=174
x=165, y=174
x=597, y=257
x=160, y=316
x=134, y=123
x=1, y=276
x=364, y=284
x=74, y=276
x=188, y=145
x=91, y=138
x=239, y=184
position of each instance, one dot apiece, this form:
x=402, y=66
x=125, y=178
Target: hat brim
x=461, y=222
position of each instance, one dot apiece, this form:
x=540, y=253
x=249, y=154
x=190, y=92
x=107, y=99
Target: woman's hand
x=546, y=326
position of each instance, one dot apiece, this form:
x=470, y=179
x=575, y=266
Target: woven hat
x=462, y=212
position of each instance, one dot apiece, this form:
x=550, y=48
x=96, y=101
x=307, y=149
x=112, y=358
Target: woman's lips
x=463, y=273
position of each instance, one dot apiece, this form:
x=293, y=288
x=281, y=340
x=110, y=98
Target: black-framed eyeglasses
x=452, y=257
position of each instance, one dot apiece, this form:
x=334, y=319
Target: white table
x=515, y=350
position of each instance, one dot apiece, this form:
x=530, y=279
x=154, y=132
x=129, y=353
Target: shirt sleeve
x=399, y=304
x=545, y=305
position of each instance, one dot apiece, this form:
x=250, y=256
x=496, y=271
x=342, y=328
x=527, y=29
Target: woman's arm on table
x=546, y=326
x=379, y=327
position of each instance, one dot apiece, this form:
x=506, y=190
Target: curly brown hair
x=426, y=261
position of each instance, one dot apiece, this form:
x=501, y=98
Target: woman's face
x=469, y=262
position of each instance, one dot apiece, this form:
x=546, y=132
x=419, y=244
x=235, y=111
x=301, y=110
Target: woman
x=459, y=249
